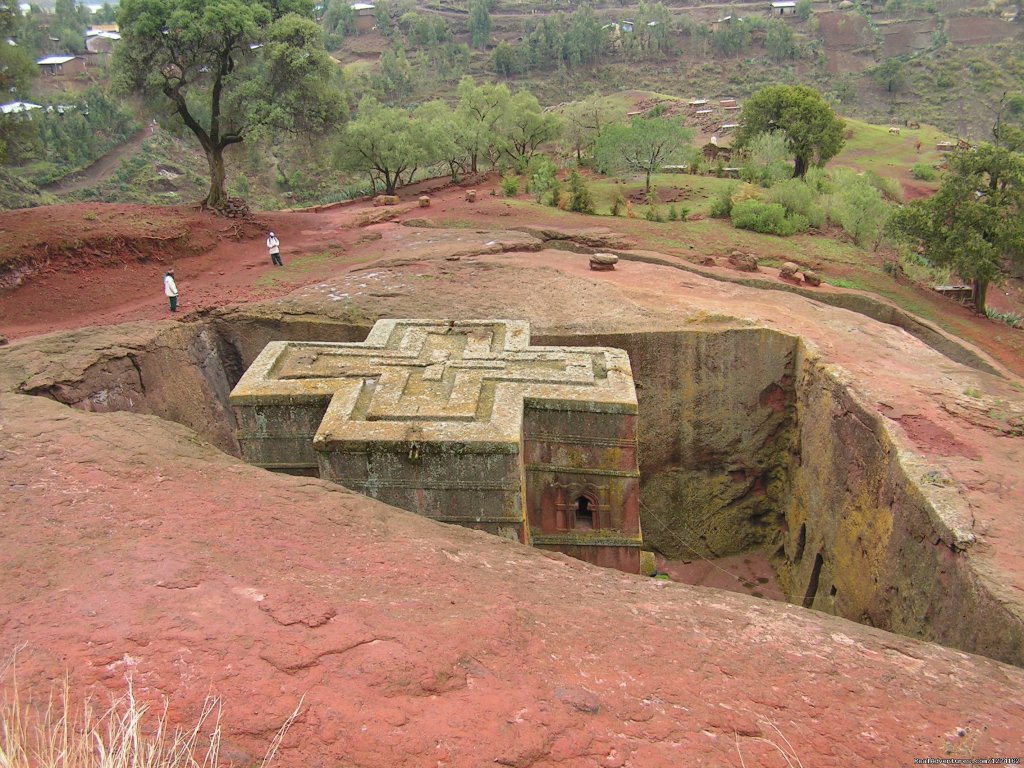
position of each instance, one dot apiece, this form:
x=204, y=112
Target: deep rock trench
x=747, y=443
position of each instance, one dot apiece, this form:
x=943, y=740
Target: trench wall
x=862, y=540
x=715, y=412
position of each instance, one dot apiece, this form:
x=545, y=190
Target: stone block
x=424, y=201
x=470, y=195
x=386, y=200
x=603, y=261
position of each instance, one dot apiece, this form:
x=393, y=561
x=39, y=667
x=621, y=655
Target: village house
x=783, y=8
x=365, y=18
x=20, y=109
x=100, y=41
x=59, y=66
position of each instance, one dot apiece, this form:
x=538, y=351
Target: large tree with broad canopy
x=813, y=133
x=230, y=69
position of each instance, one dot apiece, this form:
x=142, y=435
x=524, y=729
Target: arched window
x=584, y=518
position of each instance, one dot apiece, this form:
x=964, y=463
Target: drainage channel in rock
x=745, y=450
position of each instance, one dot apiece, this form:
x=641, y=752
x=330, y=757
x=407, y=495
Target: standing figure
x=170, y=289
x=275, y=250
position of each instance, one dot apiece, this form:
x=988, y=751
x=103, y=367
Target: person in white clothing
x=170, y=289
x=274, y=245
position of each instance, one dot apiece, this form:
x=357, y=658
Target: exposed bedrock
x=748, y=441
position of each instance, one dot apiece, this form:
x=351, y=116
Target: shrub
x=768, y=160
x=653, y=213
x=619, y=205
x=555, y=198
x=857, y=206
x=1012, y=319
x=798, y=199
x=673, y=213
x=544, y=178
x=721, y=204
x=923, y=172
x=890, y=188
x=580, y=199
x=510, y=186
x=769, y=218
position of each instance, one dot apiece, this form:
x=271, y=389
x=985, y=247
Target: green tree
x=17, y=70
x=440, y=127
x=583, y=123
x=480, y=109
x=814, y=134
x=479, y=23
x=975, y=222
x=889, y=75
x=767, y=159
x=803, y=9
x=396, y=73
x=652, y=30
x=580, y=199
x=105, y=15
x=585, y=41
x=779, y=41
x=525, y=126
x=644, y=146
x=382, y=17
x=67, y=15
x=385, y=143
x=229, y=69
x=731, y=37
x=504, y=60
x=857, y=206
x=339, y=22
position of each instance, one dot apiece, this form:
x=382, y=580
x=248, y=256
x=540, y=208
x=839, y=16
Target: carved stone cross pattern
x=457, y=420
x=428, y=380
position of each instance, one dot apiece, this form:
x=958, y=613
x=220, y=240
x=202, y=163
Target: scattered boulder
x=470, y=195
x=424, y=201
x=420, y=222
x=788, y=271
x=603, y=262
x=709, y=261
x=235, y=208
x=811, y=278
x=3, y=340
x=744, y=262
x=386, y=200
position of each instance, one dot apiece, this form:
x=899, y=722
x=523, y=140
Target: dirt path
x=103, y=167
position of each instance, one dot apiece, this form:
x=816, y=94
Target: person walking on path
x=170, y=289
x=275, y=250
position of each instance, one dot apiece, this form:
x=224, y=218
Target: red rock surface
x=131, y=550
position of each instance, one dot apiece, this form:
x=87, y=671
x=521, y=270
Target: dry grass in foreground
x=124, y=734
